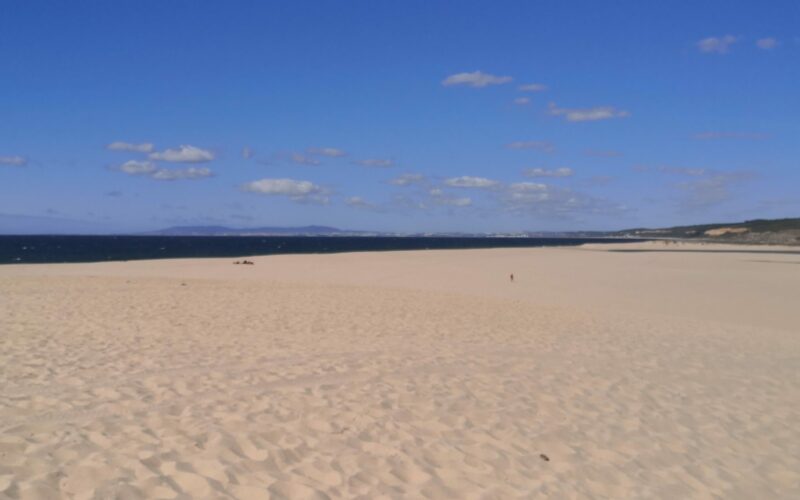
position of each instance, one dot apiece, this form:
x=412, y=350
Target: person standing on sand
x=512, y=277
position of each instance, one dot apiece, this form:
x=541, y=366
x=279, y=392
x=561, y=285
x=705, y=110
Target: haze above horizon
x=419, y=116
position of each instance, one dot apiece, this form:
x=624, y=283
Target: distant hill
x=757, y=231
x=252, y=231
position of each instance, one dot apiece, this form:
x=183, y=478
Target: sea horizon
x=53, y=249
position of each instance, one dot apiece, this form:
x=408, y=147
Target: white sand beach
x=604, y=371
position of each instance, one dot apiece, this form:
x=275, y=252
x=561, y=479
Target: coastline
x=637, y=373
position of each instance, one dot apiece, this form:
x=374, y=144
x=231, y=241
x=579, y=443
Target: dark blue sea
x=54, y=249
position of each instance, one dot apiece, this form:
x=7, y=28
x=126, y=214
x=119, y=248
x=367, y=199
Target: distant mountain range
x=253, y=231
x=760, y=231
x=333, y=231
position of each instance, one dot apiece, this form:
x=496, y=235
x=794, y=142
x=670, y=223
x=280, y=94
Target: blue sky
x=397, y=116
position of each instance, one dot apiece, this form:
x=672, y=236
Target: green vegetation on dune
x=774, y=231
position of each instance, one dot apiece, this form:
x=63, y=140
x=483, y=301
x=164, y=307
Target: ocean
x=59, y=249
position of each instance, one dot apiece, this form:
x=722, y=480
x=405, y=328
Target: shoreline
x=79, y=249
x=650, y=245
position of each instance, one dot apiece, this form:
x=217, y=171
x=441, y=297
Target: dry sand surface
x=636, y=371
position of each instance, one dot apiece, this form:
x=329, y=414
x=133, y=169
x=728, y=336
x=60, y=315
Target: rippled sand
x=405, y=374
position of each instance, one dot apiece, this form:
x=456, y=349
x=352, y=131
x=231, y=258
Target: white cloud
x=407, y=179
x=13, y=161
x=296, y=190
x=522, y=101
x=706, y=136
x=533, y=87
x=301, y=159
x=527, y=187
x=438, y=197
x=716, y=45
x=471, y=182
x=329, y=152
x=165, y=174
x=359, y=202
x=475, y=79
x=768, y=43
x=376, y=162
x=543, y=172
x=149, y=169
x=247, y=153
x=144, y=147
x=183, y=154
x=544, y=146
x=135, y=167
x=587, y=114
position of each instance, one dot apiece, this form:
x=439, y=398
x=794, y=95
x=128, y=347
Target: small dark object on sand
x=544, y=457
x=183, y=284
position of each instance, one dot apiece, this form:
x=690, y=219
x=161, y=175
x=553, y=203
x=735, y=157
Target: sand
x=602, y=372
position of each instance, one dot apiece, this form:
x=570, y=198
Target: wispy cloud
x=150, y=169
x=247, y=153
x=544, y=146
x=768, y=43
x=710, y=190
x=301, y=159
x=360, y=203
x=527, y=187
x=439, y=197
x=708, y=136
x=144, y=147
x=601, y=153
x=716, y=45
x=407, y=180
x=136, y=167
x=475, y=79
x=551, y=201
x=13, y=161
x=543, y=172
x=167, y=174
x=471, y=182
x=376, y=162
x=183, y=154
x=296, y=190
x=692, y=172
x=533, y=87
x=587, y=114
x=597, y=180
x=329, y=152
x=522, y=101
x=701, y=188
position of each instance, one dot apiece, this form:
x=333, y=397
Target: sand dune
x=404, y=375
